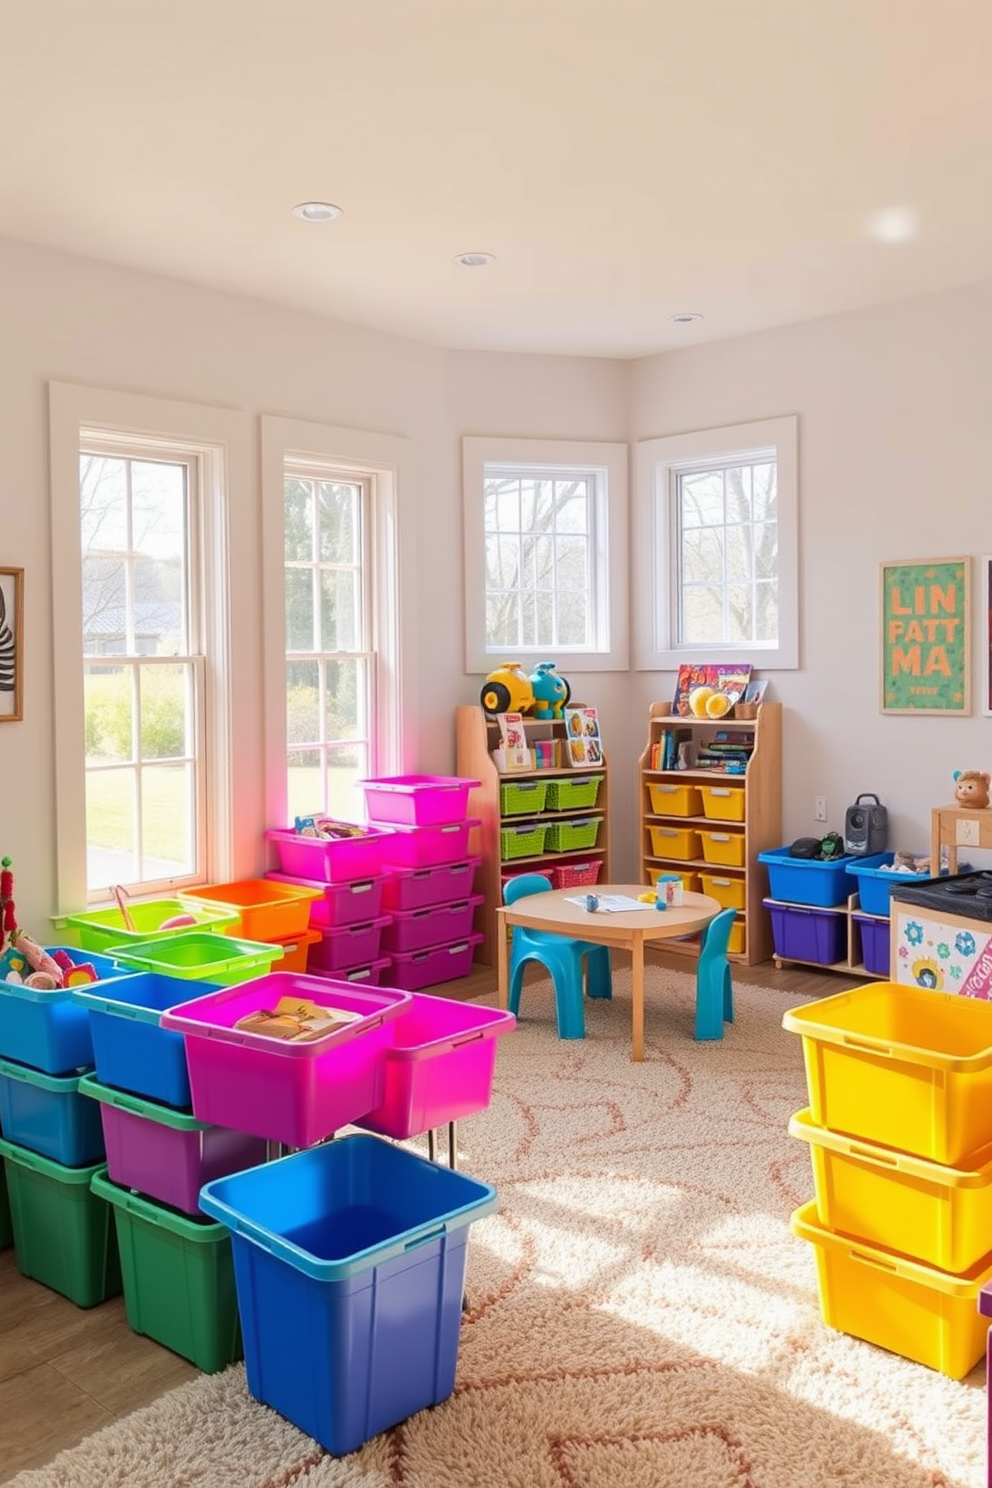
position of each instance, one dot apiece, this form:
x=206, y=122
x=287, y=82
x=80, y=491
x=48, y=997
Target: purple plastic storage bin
x=416, y=929
x=331, y=859
x=417, y=800
x=440, y=1067
x=164, y=1153
x=347, y=946
x=425, y=847
x=802, y=934
x=445, y=963
x=371, y=975
x=354, y=902
x=419, y=888
x=297, y=1093
x=874, y=944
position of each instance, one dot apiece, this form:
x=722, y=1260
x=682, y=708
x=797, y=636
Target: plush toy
x=971, y=787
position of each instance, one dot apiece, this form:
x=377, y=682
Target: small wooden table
x=958, y=826
x=628, y=929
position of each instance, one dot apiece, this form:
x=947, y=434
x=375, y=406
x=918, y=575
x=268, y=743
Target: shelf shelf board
x=711, y=823
x=724, y=776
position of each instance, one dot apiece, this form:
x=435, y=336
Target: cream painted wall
x=895, y=414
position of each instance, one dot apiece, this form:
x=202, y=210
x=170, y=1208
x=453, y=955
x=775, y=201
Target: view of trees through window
x=329, y=654
x=538, y=529
x=143, y=756
x=727, y=547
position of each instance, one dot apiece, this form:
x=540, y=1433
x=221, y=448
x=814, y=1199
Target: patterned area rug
x=639, y=1314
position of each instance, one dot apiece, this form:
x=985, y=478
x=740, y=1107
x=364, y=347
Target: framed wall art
x=987, y=636
x=925, y=640
x=11, y=644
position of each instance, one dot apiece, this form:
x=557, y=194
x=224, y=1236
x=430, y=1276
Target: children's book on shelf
x=726, y=680
x=583, y=740
x=513, y=753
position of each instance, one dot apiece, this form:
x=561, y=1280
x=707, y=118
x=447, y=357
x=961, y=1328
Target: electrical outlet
x=820, y=809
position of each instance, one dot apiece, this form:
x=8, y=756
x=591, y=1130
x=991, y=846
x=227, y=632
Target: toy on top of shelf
x=551, y=692
x=971, y=788
x=507, y=690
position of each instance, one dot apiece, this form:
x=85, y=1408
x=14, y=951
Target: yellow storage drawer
x=917, y=1311
x=738, y=937
x=730, y=892
x=902, y=1066
x=934, y=1214
x=669, y=799
x=680, y=843
x=723, y=802
x=723, y=847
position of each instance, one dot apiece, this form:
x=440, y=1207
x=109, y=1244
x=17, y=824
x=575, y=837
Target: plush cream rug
x=640, y=1315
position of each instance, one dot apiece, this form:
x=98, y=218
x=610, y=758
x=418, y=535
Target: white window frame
x=220, y=441
x=386, y=462
x=607, y=463
x=658, y=463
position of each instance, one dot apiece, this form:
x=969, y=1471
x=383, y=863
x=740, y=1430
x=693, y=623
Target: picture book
x=714, y=687
x=583, y=739
x=513, y=742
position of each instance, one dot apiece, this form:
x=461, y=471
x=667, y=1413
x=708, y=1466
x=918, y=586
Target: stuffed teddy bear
x=971, y=787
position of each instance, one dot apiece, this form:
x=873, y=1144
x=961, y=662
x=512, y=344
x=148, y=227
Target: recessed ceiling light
x=474, y=260
x=894, y=225
x=686, y=317
x=317, y=211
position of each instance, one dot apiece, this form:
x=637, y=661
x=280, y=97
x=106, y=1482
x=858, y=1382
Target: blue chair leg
x=516, y=982
x=728, y=996
x=710, y=1002
x=599, y=980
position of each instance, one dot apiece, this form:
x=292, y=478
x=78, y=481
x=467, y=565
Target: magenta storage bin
x=167, y=1154
x=874, y=944
x=371, y=975
x=444, y=963
x=347, y=946
x=331, y=859
x=417, y=800
x=293, y=1093
x=415, y=929
x=419, y=888
x=354, y=902
x=440, y=1067
x=424, y=847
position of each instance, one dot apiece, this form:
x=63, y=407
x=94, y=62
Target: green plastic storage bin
x=221, y=959
x=522, y=797
x=99, y=929
x=62, y=1231
x=573, y=836
x=178, y=1277
x=523, y=841
x=6, y=1233
x=574, y=795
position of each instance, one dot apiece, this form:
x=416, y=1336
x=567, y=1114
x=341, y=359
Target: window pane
x=501, y=619
x=167, y=818
x=740, y=613
x=572, y=571
x=502, y=562
x=339, y=619
x=345, y=766
x=111, y=846
x=702, y=556
x=739, y=553
x=503, y=506
x=339, y=529
x=304, y=783
x=102, y=503
x=166, y=711
x=544, y=618
x=303, y=702
x=535, y=501
x=573, y=619
x=107, y=702
x=299, y=610
x=765, y=493
x=346, y=692
x=766, y=612
x=572, y=506
x=701, y=499
x=738, y=493
x=766, y=550
x=702, y=616
x=298, y=520
x=104, y=605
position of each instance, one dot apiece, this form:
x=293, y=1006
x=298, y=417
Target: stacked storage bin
x=52, y=1141
x=276, y=913
x=177, y=1270
x=899, y=1127
x=808, y=904
x=345, y=875
x=429, y=936
x=576, y=831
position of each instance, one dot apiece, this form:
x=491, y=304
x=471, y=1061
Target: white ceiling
x=624, y=159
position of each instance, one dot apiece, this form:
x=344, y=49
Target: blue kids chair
x=561, y=957
x=714, y=989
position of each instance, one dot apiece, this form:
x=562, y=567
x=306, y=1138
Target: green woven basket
x=522, y=842
x=573, y=795
x=522, y=797
x=572, y=836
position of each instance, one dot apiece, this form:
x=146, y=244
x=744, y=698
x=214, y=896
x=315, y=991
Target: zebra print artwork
x=10, y=614
x=8, y=676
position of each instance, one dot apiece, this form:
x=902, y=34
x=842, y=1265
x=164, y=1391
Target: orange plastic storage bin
x=268, y=910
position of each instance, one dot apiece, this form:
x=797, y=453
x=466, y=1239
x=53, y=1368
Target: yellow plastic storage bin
x=730, y=892
x=679, y=843
x=675, y=800
x=723, y=802
x=723, y=847
x=914, y=1310
x=940, y=1216
x=738, y=937
x=902, y=1066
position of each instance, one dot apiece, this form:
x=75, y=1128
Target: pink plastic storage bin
x=418, y=888
x=425, y=847
x=346, y=946
x=417, y=800
x=440, y=1067
x=164, y=1153
x=444, y=963
x=331, y=859
x=294, y=1093
x=415, y=929
x=355, y=902
x=370, y=976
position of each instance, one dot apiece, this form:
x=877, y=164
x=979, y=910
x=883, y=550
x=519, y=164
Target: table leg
x=637, y=1009
x=502, y=964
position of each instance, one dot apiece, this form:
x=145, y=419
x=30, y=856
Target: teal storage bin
x=178, y=1277
x=47, y=1114
x=63, y=1236
x=48, y=1030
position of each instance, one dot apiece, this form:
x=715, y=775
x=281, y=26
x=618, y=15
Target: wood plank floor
x=65, y=1372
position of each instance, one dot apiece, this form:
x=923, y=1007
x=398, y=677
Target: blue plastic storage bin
x=807, y=881
x=130, y=1049
x=47, y=1114
x=349, y=1263
x=875, y=882
x=49, y=1030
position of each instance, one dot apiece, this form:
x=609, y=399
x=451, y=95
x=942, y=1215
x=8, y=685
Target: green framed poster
x=925, y=642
